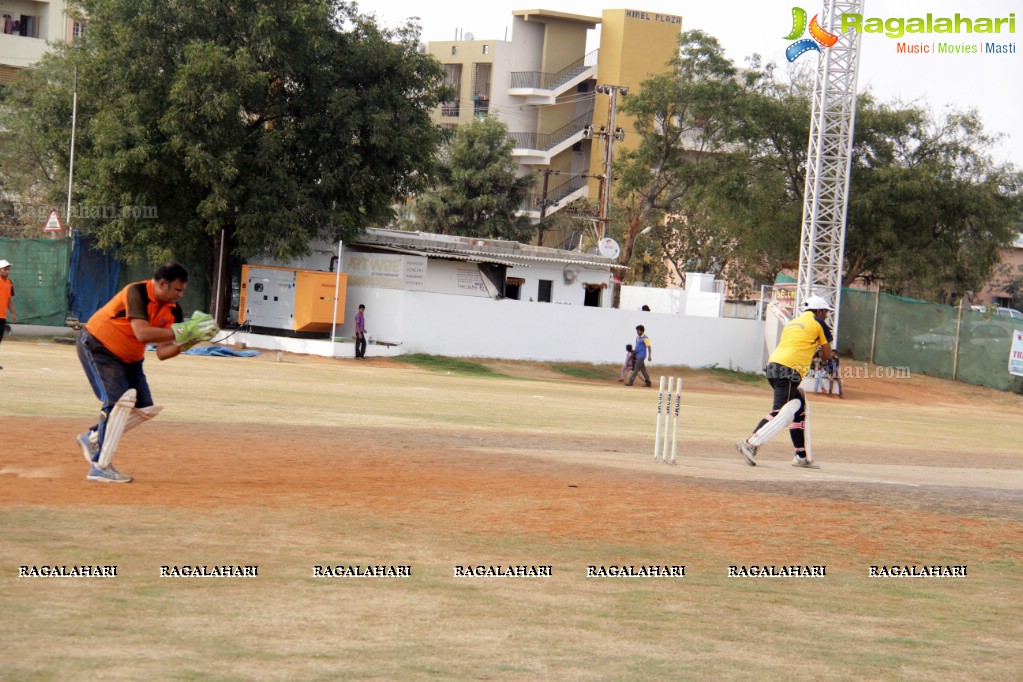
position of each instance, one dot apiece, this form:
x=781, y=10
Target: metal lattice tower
x=829, y=155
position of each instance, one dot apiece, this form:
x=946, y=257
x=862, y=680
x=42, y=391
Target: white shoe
x=747, y=451
x=804, y=463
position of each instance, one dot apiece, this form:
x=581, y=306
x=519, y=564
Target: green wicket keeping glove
x=194, y=330
x=202, y=317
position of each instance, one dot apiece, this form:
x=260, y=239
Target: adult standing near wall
x=6, y=296
x=360, y=333
x=643, y=353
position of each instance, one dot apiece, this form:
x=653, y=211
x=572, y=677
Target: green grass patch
x=584, y=371
x=439, y=363
x=734, y=376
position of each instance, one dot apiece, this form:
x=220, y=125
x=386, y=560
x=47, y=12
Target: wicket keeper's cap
x=816, y=303
x=4, y=264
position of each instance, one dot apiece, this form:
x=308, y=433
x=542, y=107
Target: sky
x=991, y=83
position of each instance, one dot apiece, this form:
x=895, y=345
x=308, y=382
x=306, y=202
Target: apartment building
x=27, y=30
x=554, y=93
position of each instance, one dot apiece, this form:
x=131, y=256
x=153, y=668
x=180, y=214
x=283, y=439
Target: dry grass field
x=295, y=464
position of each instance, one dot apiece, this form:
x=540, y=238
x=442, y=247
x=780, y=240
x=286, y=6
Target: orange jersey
x=6, y=294
x=111, y=324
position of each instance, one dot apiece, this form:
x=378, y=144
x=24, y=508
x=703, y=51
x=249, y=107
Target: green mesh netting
x=928, y=338
x=39, y=273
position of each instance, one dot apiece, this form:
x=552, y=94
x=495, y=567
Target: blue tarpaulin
x=92, y=277
x=221, y=352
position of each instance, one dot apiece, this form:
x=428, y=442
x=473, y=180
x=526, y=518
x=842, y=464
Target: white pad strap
x=775, y=426
x=141, y=414
x=116, y=422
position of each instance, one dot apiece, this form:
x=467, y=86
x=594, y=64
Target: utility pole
x=608, y=134
x=543, y=204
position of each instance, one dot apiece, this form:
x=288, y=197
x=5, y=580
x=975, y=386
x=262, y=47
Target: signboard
x=385, y=270
x=1016, y=354
x=53, y=223
x=783, y=301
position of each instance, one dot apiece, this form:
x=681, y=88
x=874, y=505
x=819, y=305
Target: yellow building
x=555, y=96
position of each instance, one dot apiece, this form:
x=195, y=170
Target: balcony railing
x=554, y=196
x=545, y=141
x=537, y=80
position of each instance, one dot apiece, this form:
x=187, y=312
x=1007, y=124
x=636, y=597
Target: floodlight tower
x=828, y=160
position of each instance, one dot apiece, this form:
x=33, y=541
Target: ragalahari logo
x=818, y=36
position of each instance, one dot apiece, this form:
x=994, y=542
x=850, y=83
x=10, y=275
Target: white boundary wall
x=465, y=326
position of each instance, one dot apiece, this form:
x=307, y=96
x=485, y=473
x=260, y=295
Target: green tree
x=685, y=118
x=269, y=122
x=929, y=209
x=477, y=192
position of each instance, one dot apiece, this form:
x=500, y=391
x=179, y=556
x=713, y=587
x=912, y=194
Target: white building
x=466, y=297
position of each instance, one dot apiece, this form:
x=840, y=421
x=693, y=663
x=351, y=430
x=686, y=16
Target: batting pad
x=116, y=422
x=772, y=428
x=806, y=427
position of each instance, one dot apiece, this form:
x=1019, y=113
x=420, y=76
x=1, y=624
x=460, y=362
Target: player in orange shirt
x=111, y=349
x=6, y=294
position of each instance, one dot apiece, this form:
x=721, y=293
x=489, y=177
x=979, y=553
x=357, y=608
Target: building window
x=486, y=49
x=454, y=50
x=24, y=25
x=453, y=80
x=481, y=88
x=544, y=290
x=78, y=29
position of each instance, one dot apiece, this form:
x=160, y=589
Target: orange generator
x=291, y=302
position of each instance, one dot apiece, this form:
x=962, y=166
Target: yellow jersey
x=799, y=341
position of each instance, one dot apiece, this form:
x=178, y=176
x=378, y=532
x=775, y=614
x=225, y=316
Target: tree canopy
x=274, y=121
x=477, y=192
x=719, y=176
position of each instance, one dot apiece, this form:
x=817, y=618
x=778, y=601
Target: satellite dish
x=608, y=248
x=470, y=36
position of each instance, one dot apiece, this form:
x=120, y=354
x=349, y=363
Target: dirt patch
x=428, y=479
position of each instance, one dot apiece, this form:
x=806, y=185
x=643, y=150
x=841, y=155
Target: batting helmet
x=816, y=303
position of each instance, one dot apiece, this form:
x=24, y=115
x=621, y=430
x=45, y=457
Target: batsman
x=112, y=348
x=786, y=367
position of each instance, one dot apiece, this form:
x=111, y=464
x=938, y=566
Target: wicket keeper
x=786, y=367
x=112, y=348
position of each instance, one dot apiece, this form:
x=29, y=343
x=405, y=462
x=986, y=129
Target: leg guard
x=806, y=428
x=772, y=428
x=116, y=422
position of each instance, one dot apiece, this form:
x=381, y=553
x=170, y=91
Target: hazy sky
x=992, y=83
